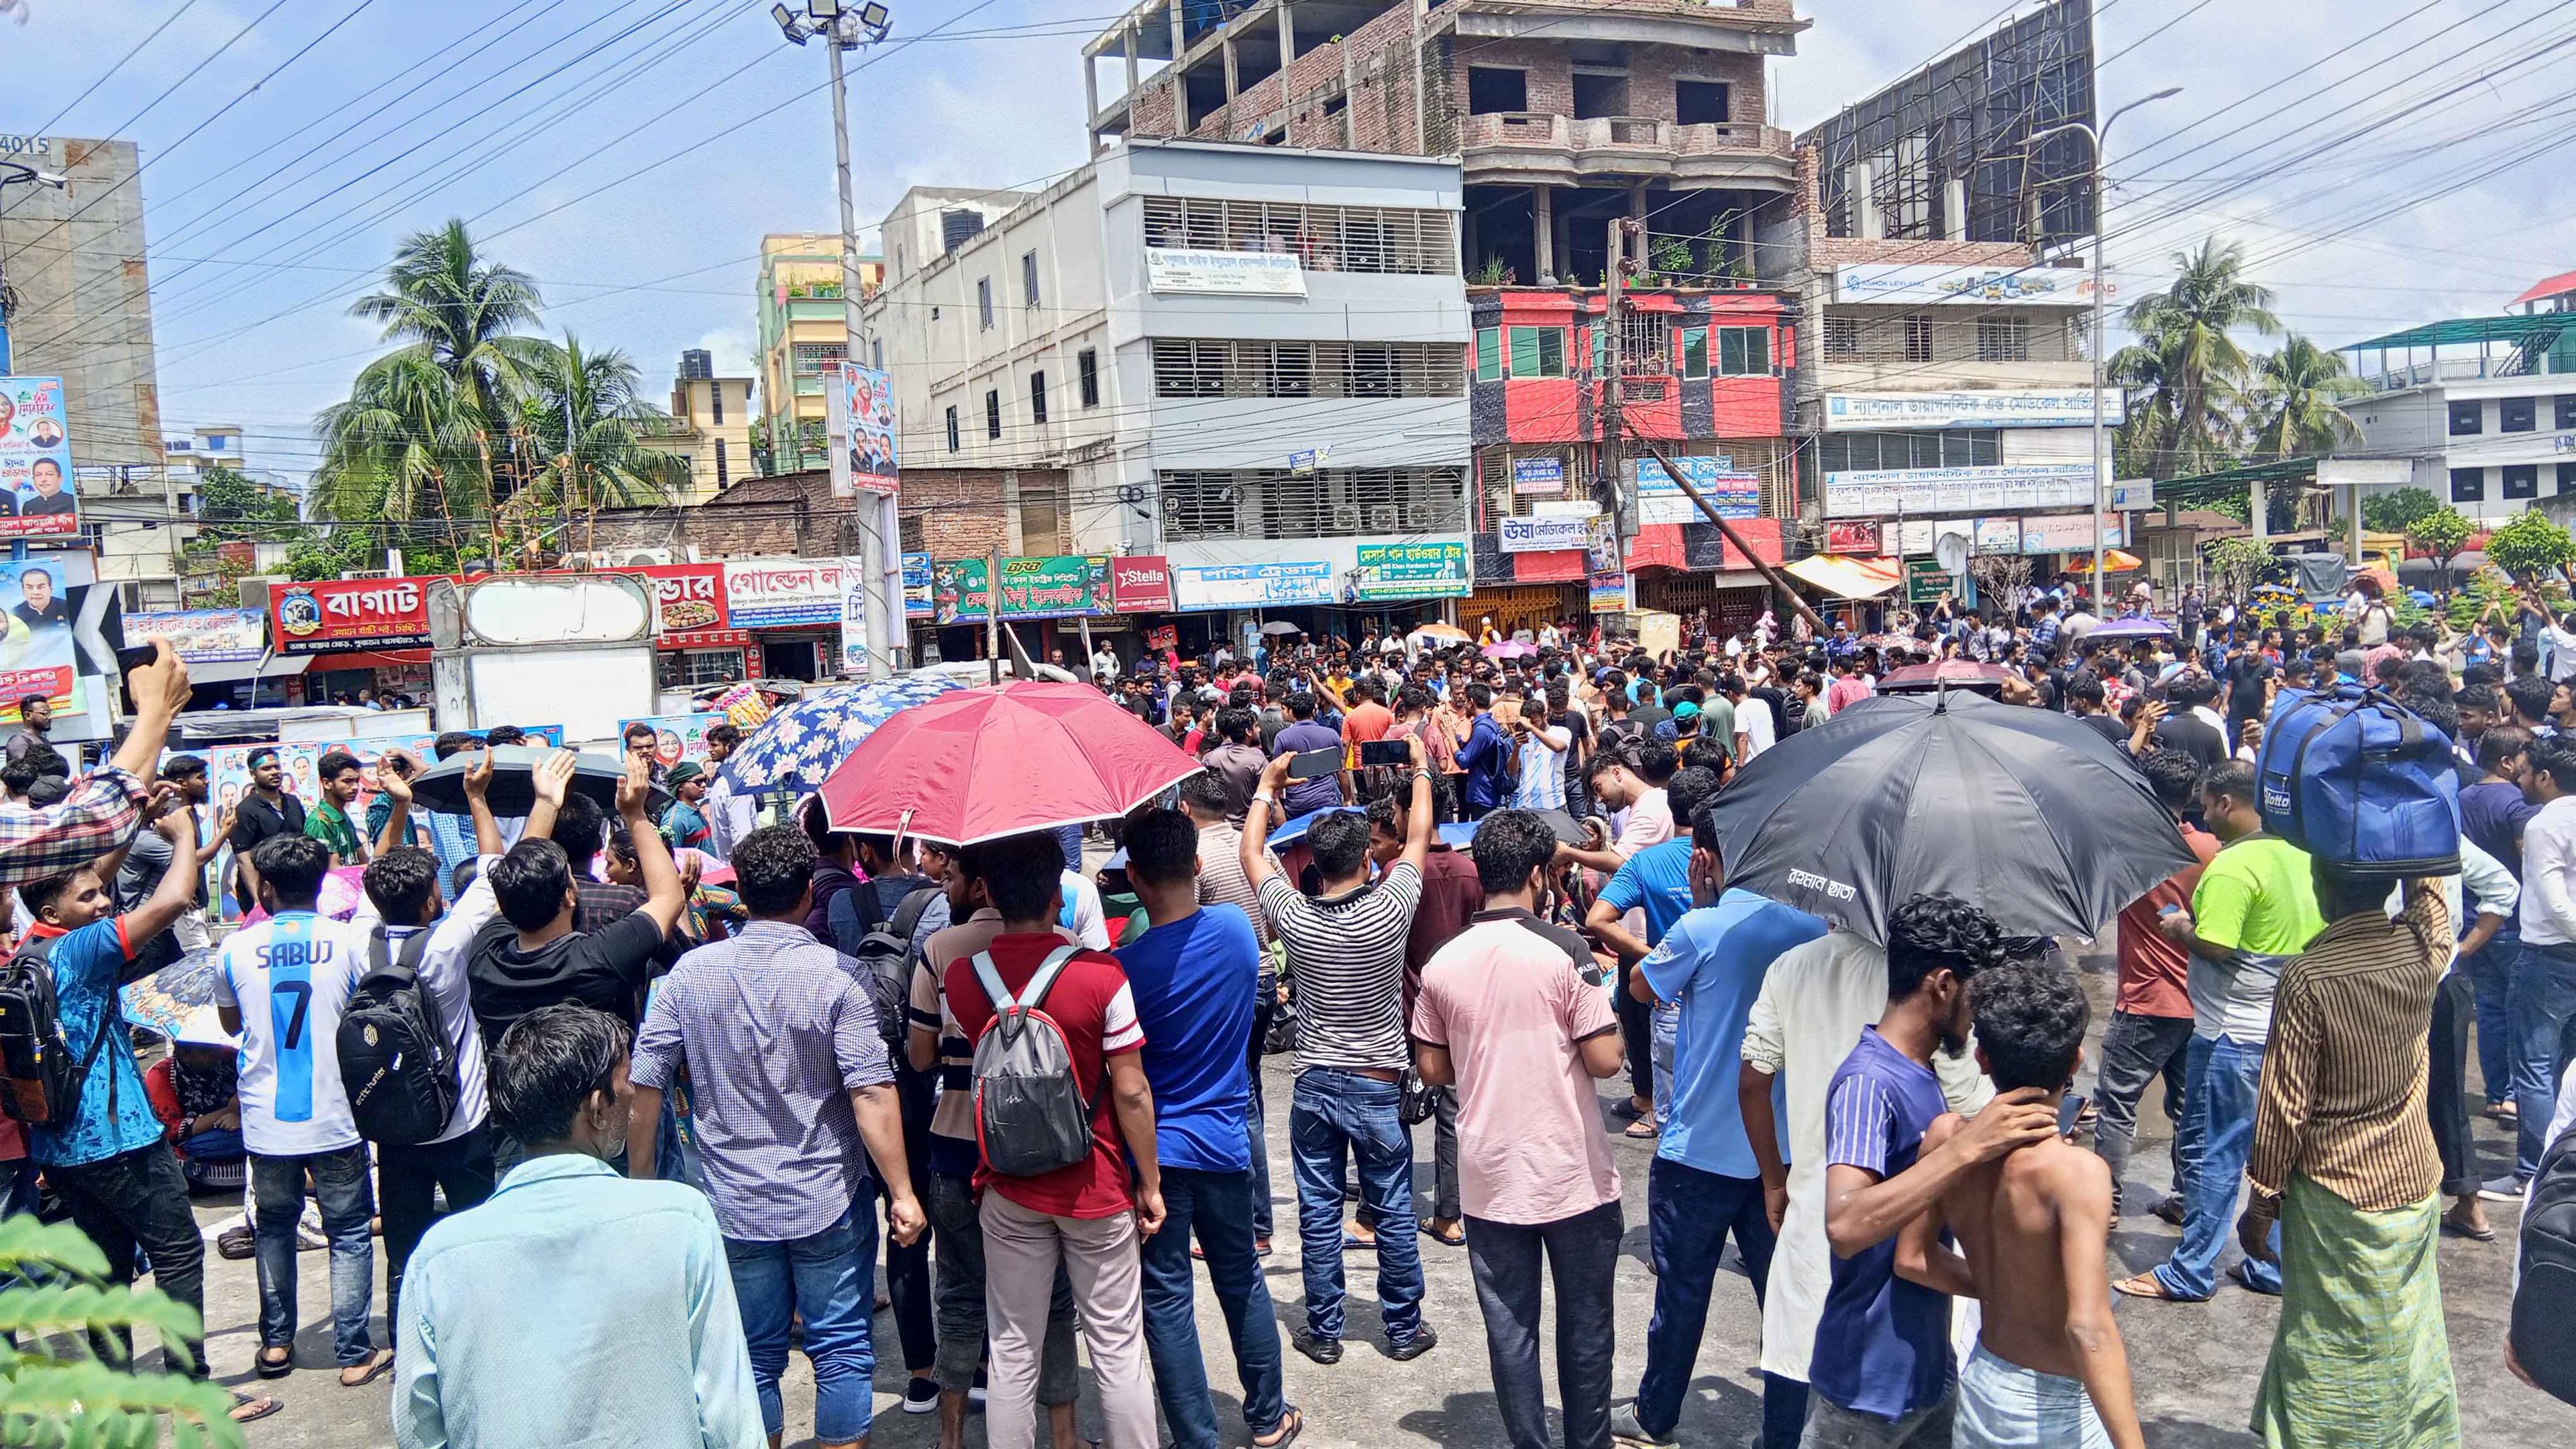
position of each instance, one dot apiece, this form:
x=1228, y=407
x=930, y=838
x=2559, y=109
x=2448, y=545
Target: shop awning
x=369, y=659
x=1841, y=577
x=233, y=671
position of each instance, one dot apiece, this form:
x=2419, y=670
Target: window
x=1336, y=502
x=952, y=430
x=2566, y=416
x=1086, y=367
x=1694, y=352
x=809, y=358
x=1037, y=397
x=1186, y=367
x=1322, y=238
x=2464, y=419
x=1028, y=279
x=2514, y=415
x=993, y=412
x=723, y=473
x=1941, y=448
x=1842, y=339
x=1285, y=369
x=715, y=390
x=2003, y=339
x=1597, y=95
x=1645, y=343
x=1489, y=354
x=1744, y=351
x=2468, y=485
x=1375, y=371
x=689, y=668
x=1492, y=89
x=1700, y=103
x=984, y=301
x=1918, y=338
x=1538, y=352
x=2521, y=480
x=2567, y=479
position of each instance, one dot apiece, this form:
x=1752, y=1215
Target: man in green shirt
x=2255, y=908
x=328, y=821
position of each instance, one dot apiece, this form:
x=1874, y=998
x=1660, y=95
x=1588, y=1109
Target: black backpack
x=885, y=950
x=2543, y=1332
x=40, y=1084
x=396, y=1062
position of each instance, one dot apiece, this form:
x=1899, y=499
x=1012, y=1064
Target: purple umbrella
x=2134, y=626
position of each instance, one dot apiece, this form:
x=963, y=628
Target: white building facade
x=2484, y=408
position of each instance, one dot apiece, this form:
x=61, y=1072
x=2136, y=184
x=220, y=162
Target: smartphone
x=2068, y=1109
x=1307, y=764
x=134, y=656
x=1385, y=752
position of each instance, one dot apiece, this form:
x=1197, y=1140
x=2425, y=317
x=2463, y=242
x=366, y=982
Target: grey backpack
x=1030, y=1115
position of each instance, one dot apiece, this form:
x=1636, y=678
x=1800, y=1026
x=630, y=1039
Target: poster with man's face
x=36, y=491
x=36, y=654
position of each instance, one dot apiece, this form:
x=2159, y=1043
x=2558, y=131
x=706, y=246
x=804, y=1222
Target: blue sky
x=573, y=135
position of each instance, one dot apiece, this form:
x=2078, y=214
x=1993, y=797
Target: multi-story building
x=1244, y=363
x=804, y=326
x=73, y=257
x=209, y=447
x=2483, y=407
x=710, y=424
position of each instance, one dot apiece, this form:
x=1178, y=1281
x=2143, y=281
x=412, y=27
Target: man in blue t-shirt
x=1304, y=733
x=1882, y=1373
x=1656, y=881
x=1704, y=1182
x=1194, y=977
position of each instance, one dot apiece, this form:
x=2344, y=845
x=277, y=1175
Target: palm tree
x=587, y=423
x=2296, y=407
x=2199, y=372
x=403, y=446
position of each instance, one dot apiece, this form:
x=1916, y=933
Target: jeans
x=1256, y=1123
x=1335, y=1114
x=1784, y=1411
x=2135, y=1051
x=406, y=1178
x=1637, y=1032
x=340, y=1183
x=1665, y=1027
x=1218, y=1205
x=829, y=1280
x=961, y=1300
x=908, y=1269
x=2446, y=1087
x=2544, y=1004
x=1690, y=1213
x=1582, y=1254
x=138, y=1201
x=2491, y=972
x=2222, y=1082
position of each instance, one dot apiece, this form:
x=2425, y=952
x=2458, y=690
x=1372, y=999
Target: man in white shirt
x=1104, y=661
x=2544, y=993
x=1755, y=731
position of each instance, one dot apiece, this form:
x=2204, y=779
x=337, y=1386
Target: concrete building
x=1246, y=362
x=804, y=325
x=209, y=447
x=2483, y=407
x=83, y=311
x=711, y=424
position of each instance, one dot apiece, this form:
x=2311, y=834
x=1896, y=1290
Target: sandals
x=374, y=1368
x=269, y=1368
x=2462, y=1230
x=2147, y=1285
x=1644, y=1129
x=1456, y=1237
x=257, y=1408
x=1291, y=1424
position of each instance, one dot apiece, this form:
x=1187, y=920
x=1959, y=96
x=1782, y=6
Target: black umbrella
x=442, y=786
x=2024, y=812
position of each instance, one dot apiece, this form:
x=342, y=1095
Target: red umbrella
x=979, y=764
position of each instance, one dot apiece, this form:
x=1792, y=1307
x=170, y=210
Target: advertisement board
x=2002, y=408
x=2067, y=533
x=1937, y=285
x=1052, y=586
x=1661, y=500
x=1926, y=581
x=36, y=655
x=854, y=616
x=1888, y=492
x=687, y=598
x=676, y=737
x=1541, y=535
x=204, y=636
x=1612, y=593
x=1998, y=535
x=916, y=586
x=1252, y=586
x=858, y=417
x=1174, y=270
x=1538, y=475
x=1861, y=537
x=783, y=593
x=38, y=495
x=1411, y=571
x=1140, y=583
x=329, y=614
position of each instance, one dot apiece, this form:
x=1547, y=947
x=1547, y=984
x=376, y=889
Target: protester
x=2544, y=987
x=2149, y=1035
x=1451, y=897
x=266, y=810
x=338, y=775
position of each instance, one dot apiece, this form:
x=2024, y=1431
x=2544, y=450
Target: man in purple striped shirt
x=788, y=1085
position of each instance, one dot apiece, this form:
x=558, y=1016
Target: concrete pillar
x=1637, y=200
x=1350, y=96
x=1543, y=232
x=2258, y=510
x=1863, y=206
x=1954, y=211
x=1176, y=35
x=1091, y=102
x=1135, y=42
x=1229, y=76
x=1287, y=37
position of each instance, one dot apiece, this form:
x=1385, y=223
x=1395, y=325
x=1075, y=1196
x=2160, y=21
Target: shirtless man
x=2049, y=1367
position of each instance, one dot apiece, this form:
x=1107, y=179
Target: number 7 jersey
x=290, y=976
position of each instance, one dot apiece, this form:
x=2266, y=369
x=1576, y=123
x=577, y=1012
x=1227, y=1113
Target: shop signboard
x=1998, y=535
x=1538, y=475
x=783, y=593
x=1140, y=583
x=2067, y=533
x=1891, y=492
x=1860, y=536
x=1411, y=571
x=687, y=598
x=1999, y=408
x=204, y=636
x=333, y=614
x=1052, y=586
x=1541, y=535
x=1660, y=500
x=1252, y=586
x=38, y=496
x=1177, y=270
x=1934, y=284
x=1926, y=581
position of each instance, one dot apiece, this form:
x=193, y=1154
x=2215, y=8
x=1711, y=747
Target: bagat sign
x=1171, y=270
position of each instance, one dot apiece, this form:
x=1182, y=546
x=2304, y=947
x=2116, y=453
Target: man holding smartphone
x=1308, y=794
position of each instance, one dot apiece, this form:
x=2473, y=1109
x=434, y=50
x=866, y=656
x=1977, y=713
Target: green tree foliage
x=59, y=1311
x=2296, y=407
x=2441, y=533
x=2396, y=510
x=2186, y=368
x=2239, y=562
x=2529, y=547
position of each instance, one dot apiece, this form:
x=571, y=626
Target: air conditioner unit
x=619, y=558
x=1346, y=518
x=1385, y=517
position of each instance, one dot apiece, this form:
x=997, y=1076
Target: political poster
x=37, y=494
x=916, y=586
x=858, y=411
x=36, y=652
x=676, y=737
x=205, y=636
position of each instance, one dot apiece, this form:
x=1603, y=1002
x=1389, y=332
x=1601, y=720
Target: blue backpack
x=2356, y=779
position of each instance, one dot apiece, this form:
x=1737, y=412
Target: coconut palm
x=465, y=313
x=405, y=445
x=2186, y=343
x=2296, y=406
x=587, y=428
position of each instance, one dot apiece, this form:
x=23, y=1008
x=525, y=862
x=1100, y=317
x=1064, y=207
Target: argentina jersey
x=289, y=977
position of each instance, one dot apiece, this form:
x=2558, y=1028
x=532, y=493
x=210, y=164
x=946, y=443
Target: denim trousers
x=1581, y=1261
x=2491, y=971
x=2543, y=1007
x=1666, y=1030
x=348, y=1201
x=2446, y=1085
x=2135, y=1051
x=1689, y=1213
x=132, y=1204
x=960, y=1239
x=407, y=1179
x=1337, y=1116
x=830, y=1281
x=2221, y=1084
x=1256, y=1141
x=1216, y=1209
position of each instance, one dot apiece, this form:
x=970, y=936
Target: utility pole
x=1774, y=577
x=1614, y=304
x=993, y=617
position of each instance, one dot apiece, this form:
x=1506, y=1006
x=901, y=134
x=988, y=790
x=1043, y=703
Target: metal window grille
x=1219, y=367
x=1322, y=238
x=2003, y=339
x=1336, y=502
x=808, y=358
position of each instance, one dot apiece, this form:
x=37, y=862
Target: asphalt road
x=2195, y=1365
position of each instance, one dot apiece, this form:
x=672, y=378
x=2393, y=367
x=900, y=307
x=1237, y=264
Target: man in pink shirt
x=1848, y=687
x=1512, y=1013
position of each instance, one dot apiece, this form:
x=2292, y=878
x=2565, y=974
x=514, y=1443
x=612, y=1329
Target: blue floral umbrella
x=795, y=748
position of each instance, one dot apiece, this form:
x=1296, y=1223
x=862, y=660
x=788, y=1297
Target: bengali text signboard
x=783, y=593
x=1412, y=571
x=1053, y=586
x=332, y=614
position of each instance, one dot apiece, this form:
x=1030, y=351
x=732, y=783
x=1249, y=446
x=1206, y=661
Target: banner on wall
x=676, y=737
x=858, y=413
x=1051, y=586
x=1412, y=571
x=1540, y=535
x=1888, y=492
x=36, y=650
x=1252, y=586
x=916, y=587
x=328, y=614
x=1660, y=500
x=38, y=496
x=2067, y=533
x=1860, y=536
x=205, y=636
x=687, y=599
x=1140, y=583
x=783, y=593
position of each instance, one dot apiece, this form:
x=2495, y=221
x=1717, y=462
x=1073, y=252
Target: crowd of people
x=686, y=1124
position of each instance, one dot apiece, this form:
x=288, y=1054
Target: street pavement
x=2195, y=1366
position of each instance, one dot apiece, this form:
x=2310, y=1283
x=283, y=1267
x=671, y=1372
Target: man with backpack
x=789, y=1086
x=1056, y=1094
x=279, y=986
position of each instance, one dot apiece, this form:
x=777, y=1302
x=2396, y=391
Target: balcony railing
x=2471, y=369
x=1643, y=134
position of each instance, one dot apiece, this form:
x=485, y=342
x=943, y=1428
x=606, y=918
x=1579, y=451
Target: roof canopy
x=2564, y=282
x=2469, y=329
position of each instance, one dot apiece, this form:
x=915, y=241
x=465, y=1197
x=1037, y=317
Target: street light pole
x=2101, y=333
